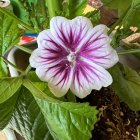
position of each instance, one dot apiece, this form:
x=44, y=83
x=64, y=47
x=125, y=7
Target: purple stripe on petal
x=60, y=78
x=69, y=33
x=88, y=76
x=98, y=50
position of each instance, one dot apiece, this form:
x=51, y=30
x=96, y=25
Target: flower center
x=71, y=57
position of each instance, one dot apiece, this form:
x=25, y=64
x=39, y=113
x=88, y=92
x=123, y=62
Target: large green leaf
x=65, y=120
x=9, y=33
x=33, y=12
x=126, y=84
x=69, y=121
x=8, y=87
x=28, y=119
x=6, y=111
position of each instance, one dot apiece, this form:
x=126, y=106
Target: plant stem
x=24, y=49
x=28, y=70
x=8, y=62
x=2, y=10
x=54, y=6
x=129, y=51
x=118, y=21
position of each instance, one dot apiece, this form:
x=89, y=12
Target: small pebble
x=136, y=120
x=108, y=120
x=109, y=130
x=121, y=114
x=127, y=133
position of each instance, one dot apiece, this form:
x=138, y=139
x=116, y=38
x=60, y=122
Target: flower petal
x=46, y=37
x=88, y=76
x=97, y=48
x=49, y=52
x=69, y=33
x=59, y=77
x=92, y=35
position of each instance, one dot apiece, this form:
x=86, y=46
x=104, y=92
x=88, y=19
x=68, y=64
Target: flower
x=74, y=55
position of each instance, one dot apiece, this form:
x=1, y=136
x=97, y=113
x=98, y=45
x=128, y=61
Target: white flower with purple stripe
x=73, y=55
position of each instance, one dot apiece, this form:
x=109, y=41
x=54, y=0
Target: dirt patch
x=117, y=121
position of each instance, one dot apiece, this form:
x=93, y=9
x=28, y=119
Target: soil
x=117, y=120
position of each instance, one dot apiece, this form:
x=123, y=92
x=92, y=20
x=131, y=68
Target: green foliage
x=27, y=118
x=61, y=115
x=33, y=77
x=33, y=108
x=132, y=7
x=9, y=36
x=69, y=121
x=126, y=84
x=9, y=33
x=132, y=17
x=22, y=114
x=75, y=8
x=33, y=12
x=36, y=91
x=43, y=86
x=118, y=36
x=8, y=87
x=94, y=16
x=6, y=111
x=3, y=69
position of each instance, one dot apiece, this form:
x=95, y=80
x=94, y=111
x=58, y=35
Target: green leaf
x=94, y=16
x=43, y=86
x=3, y=69
x=132, y=18
x=8, y=87
x=69, y=121
x=37, y=91
x=119, y=35
x=126, y=84
x=33, y=77
x=65, y=120
x=33, y=12
x=28, y=119
x=76, y=7
x=9, y=33
x=6, y=111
